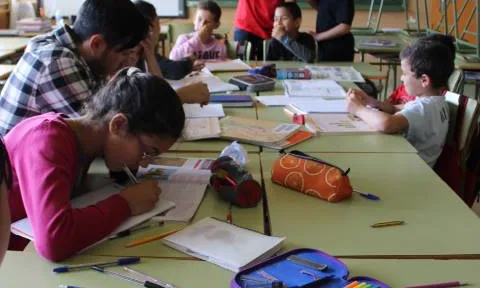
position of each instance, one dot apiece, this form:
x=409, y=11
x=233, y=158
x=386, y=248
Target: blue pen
x=119, y=262
x=68, y=286
x=367, y=195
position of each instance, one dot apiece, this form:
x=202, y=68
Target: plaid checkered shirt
x=51, y=76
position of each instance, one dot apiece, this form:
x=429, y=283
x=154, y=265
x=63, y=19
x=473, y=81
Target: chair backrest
x=236, y=50
x=470, y=117
x=176, y=29
x=455, y=81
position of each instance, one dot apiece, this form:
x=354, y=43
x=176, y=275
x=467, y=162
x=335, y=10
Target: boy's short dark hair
x=149, y=102
x=430, y=58
x=5, y=167
x=146, y=9
x=293, y=8
x=212, y=7
x=118, y=21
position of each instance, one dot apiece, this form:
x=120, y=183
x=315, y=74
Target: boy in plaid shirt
x=62, y=69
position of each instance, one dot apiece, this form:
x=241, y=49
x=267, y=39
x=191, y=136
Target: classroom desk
x=217, y=145
x=13, y=43
x=193, y=273
x=5, y=71
x=212, y=205
x=23, y=269
x=400, y=39
x=437, y=221
x=6, y=54
x=367, y=143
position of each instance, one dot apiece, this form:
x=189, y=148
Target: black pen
x=130, y=174
x=127, y=232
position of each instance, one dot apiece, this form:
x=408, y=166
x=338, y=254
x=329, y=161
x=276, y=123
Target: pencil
x=386, y=224
x=151, y=238
x=440, y=285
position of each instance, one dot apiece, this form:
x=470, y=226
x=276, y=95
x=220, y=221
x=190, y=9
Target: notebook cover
x=230, y=98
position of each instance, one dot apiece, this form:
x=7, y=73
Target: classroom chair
x=267, y=41
x=236, y=50
x=459, y=162
x=176, y=29
x=455, y=81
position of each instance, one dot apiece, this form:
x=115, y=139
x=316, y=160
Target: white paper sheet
x=330, y=106
x=214, y=83
x=197, y=111
x=228, y=65
x=336, y=73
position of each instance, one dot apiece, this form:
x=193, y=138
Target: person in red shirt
x=254, y=22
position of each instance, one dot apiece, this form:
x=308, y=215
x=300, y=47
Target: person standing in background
x=334, y=21
x=254, y=23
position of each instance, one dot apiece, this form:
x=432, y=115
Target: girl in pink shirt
x=202, y=43
x=50, y=154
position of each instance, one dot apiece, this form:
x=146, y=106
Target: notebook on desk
x=24, y=229
x=339, y=123
x=223, y=244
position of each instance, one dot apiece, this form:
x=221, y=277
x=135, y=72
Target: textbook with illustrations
x=335, y=73
x=23, y=228
x=339, y=123
x=326, y=89
x=223, y=244
x=205, y=111
x=201, y=128
x=183, y=181
x=265, y=133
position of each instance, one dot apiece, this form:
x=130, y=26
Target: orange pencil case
x=306, y=174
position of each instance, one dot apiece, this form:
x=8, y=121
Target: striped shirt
x=51, y=76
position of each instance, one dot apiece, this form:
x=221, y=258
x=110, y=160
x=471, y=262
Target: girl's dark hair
x=212, y=7
x=146, y=9
x=5, y=167
x=122, y=26
x=149, y=102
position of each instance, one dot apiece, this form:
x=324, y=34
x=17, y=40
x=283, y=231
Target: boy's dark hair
x=118, y=21
x=5, y=167
x=149, y=102
x=428, y=57
x=212, y=7
x=146, y=9
x=293, y=8
x=446, y=40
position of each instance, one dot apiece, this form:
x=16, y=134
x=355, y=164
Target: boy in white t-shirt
x=423, y=121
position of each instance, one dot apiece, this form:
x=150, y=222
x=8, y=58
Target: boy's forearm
x=152, y=65
x=337, y=31
x=387, y=107
x=378, y=120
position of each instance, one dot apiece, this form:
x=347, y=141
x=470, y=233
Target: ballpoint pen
x=132, y=280
x=367, y=195
x=134, y=229
x=118, y=262
x=149, y=278
x=130, y=175
x=386, y=224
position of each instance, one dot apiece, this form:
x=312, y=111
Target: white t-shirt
x=427, y=126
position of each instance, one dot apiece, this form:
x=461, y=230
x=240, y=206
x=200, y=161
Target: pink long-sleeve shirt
x=190, y=44
x=46, y=163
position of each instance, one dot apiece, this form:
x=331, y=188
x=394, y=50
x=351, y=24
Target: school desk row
x=29, y=270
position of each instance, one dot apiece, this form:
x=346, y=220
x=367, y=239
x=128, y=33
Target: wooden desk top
x=437, y=221
x=13, y=43
x=5, y=71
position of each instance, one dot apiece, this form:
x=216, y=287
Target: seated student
x=5, y=185
x=170, y=69
x=125, y=123
x=60, y=70
x=202, y=43
x=423, y=121
x=147, y=59
x=400, y=96
x=287, y=42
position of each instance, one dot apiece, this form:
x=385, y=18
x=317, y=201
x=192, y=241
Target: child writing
x=423, y=121
x=5, y=185
x=125, y=123
x=287, y=42
x=202, y=43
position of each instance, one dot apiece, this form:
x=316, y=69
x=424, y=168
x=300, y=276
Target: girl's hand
x=142, y=197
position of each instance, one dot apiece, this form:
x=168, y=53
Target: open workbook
x=183, y=181
x=272, y=134
x=224, y=244
x=23, y=228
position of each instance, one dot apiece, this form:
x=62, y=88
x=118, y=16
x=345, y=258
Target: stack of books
x=34, y=25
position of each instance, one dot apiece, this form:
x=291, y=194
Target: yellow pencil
x=386, y=224
x=151, y=238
